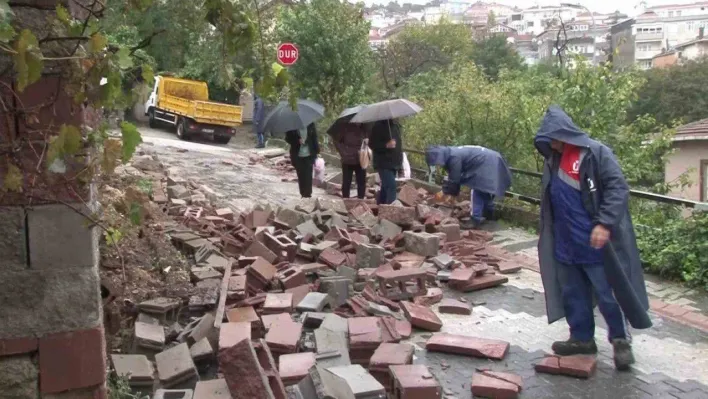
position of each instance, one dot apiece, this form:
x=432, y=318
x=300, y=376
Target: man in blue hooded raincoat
x=587, y=248
x=481, y=169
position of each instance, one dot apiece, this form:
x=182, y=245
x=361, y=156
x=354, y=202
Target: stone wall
x=51, y=334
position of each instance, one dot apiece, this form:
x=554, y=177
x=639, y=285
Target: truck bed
x=212, y=113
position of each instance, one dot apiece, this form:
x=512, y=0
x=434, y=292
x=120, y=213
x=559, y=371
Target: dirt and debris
x=289, y=301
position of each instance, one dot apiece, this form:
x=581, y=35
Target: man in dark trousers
x=483, y=170
x=258, y=116
x=587, y=248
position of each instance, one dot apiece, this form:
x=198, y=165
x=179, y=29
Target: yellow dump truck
x=185, y=105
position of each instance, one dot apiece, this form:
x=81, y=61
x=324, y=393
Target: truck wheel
x=152, y=122
x=222, y=139
x=181, y=131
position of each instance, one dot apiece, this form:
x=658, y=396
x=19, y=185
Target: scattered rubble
x=327, y=289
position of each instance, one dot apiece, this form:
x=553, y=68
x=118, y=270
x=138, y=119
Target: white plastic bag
x=318, y=171
x=406, y=167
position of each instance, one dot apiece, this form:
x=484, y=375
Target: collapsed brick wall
x=51, y=334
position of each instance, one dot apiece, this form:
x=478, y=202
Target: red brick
x=508, y=377
x=696, y=320
x=242, y=315
x=400, y=215
x=495, y=385
x=421, y=316
x=389, y=333
x=414, y=381
x=548, y=365
x=18, y=346
x=454, y=306
x=404, y=328
x=242, y=372
x=332, y=258
x=578, y=366
x=232, y=333
x=508, y=267
x=258, y=249
x=294, y=367
x=433, y=296
x=461, y=278
x=270, y=319
x=465, y=345
x=284, y=336
x=484, y=282
x=655, y=304
x=388, y=354
x=673, y=311
x=72, y=360
x=408, y=195
x=278, y=303
x=292, y=277
x=364, y=332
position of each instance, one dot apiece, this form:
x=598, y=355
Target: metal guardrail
x=664, y=199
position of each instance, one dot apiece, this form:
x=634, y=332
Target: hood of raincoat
x=437, y=155
x=473, y=166
x=557, y=125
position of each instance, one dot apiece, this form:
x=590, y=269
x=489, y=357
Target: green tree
x=494, y=53
x=675, y=93
x=421, y=48
x=335, y=58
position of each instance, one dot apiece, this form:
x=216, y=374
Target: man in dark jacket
x=258, y=116
x=349, y=139
x=483, y=170
x=387, y=149
x=304, y=149
x=587, y=243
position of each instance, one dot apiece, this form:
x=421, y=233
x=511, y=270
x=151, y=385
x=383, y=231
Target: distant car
x=185, y=104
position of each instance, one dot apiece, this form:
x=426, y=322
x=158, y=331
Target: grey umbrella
x=344, y=117
x=390, y=109
x=283, y=118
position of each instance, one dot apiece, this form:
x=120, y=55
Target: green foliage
x=28, y=59
x=334, y=62
x=679, y=249
x=675, y=93
x=130, y=139
x=494, y=54
x=136, y=213
x=112, y=236
x=119, y=388
x=13, y=179
x=64, y=145
x=421, y=48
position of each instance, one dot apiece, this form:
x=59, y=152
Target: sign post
x=288, y=54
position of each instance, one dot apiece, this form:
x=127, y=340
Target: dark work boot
x=471, y=224
x=574, y=347
x=623, y=354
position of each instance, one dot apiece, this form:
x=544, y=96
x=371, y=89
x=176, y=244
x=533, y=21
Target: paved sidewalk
x=672, y=359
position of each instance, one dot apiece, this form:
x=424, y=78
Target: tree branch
x=146, y=42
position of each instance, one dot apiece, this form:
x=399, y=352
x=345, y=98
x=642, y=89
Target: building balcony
x=648, y=37
x=646, y=55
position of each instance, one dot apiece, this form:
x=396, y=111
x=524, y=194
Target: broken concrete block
x=335, y=205
x=469, y=346
x=369, y=256
x=443, y=261
x=309, y=227
x=213, y=389
x=337, y=288
x=414, y=381
x=225, y=213
x=294, y=367
x=422, y=243
x=332, y=258
x=137, y=369
x=175, y=366
x=321, y=247
x=347, y=272
x=336, y=323
x=454, y=306
x=278, y=303
x=299, y=293
x=355, y=381
x=400, y=215
x=203, y=273
x=202, y=350
x=452, y=232
x=178, y=192
x=386, y=229
x=313, y=302
x=332, y=348
x=292, y=218
x=421, y=316
x=159, y=305
x=203, y=329
x=408, y=195
x=173, y=394
x=149, y=336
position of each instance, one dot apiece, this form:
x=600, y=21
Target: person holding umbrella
x=387, y=148
x=349, y=139
x=385, y=141
x=298, y=125
x=304, y=149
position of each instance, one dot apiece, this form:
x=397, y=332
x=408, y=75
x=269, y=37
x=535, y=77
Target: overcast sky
x=625, y=6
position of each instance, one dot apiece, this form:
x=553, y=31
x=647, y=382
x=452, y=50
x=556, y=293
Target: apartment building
x=581, y=38
x=660, y=29
x=538, y=19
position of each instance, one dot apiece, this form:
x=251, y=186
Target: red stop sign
x=288, y=54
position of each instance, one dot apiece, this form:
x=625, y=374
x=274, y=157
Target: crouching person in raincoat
x=481, y=169
x=587, y=248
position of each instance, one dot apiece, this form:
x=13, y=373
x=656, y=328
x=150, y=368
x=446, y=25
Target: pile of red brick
x=316, y=297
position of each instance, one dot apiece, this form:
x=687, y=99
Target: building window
x=645, y=47
x=678, y=13
x=671, y=14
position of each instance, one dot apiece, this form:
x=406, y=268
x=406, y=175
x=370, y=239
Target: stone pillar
x=52, y=343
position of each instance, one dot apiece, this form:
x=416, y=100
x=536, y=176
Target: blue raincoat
x=605, y=196
x=476, y=167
